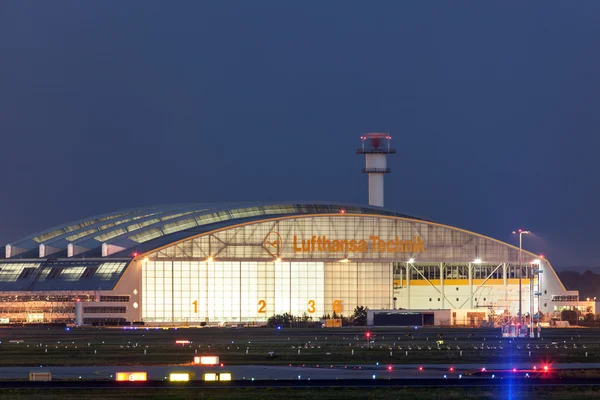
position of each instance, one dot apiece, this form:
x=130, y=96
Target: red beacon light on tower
x=375, y=147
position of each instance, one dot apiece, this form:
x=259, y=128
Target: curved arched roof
x=148, y=227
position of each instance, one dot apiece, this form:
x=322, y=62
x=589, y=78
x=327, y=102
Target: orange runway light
x=182, y=342
x=132, y=377
x=206, y=360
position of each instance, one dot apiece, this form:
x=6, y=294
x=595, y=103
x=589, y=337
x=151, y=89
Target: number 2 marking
x=263, y=305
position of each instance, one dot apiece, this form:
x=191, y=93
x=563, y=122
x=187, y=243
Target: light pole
x=577, y=312
x=521, y=232
x=535, y=271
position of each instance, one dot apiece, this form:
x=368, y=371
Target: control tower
x=376, y=147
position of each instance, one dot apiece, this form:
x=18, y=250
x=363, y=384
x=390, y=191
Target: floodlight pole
x=520, y=276
x=521, y=232
x=531, y=300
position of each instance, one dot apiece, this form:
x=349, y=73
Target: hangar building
x=244, y=262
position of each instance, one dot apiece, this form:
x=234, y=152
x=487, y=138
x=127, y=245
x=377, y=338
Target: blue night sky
x=493, y=108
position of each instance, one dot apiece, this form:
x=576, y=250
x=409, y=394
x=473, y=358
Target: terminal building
x=241, y=263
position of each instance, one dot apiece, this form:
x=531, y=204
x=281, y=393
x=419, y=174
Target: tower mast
x=376, y=147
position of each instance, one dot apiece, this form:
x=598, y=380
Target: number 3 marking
x=311, y=306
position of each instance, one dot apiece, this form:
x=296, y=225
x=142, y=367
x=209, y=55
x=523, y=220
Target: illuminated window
x=111, y=224
x=109, y=270
x=104, y=310
x=50, y=235
x=142, y=224
x=146, y=235
x=72, y=274
x=11, y=272
x=212, y=218
x=81, y=234
x=111, y=234
x=179, y=225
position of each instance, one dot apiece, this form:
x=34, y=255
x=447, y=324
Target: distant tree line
x=287, y=320
x=588, y=283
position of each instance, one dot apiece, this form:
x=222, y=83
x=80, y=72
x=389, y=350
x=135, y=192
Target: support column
x=78, y=313
x=470, y=286
x=401, y=279
x=358, y=286
x=172, y=292
x=408, y=285
x=442, y=285
x=240, y=293
x=504, y=274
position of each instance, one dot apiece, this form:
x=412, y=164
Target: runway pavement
x=324, y=383
x=295, y=372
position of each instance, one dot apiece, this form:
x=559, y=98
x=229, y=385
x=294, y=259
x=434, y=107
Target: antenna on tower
x=376, y=147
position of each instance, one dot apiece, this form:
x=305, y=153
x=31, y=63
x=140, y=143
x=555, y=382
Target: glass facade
x=195, y=291
x=316, y=265
x=332, y=238
x=52, y=275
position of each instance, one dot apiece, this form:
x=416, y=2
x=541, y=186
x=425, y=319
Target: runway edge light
x=179, y=377
x=210, y=377
x=225, y=376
